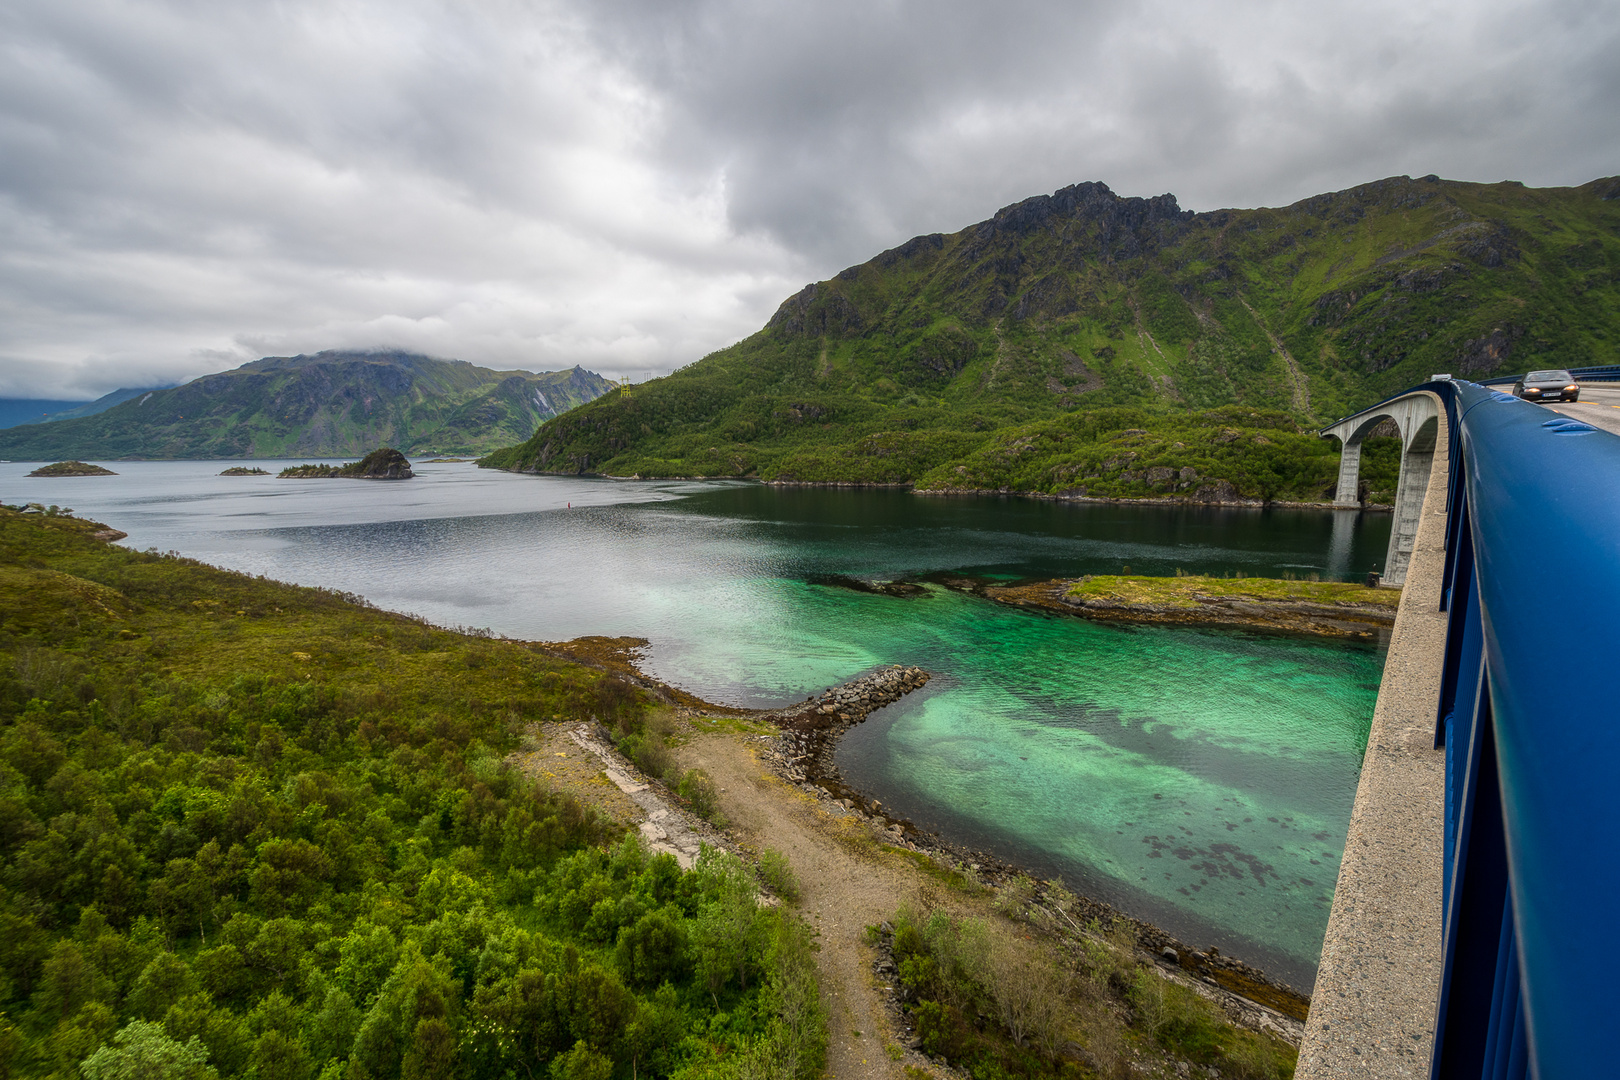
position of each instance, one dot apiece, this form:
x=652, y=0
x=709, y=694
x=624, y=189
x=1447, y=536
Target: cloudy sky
x=629, y=184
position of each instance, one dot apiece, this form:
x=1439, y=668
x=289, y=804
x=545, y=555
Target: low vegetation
x=986, y=997
x=1186, y=590
x=243, y=470
x=254, y=830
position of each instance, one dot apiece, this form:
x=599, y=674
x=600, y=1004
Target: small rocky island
x=72, y=468
x=384, y=464
x=243, y=470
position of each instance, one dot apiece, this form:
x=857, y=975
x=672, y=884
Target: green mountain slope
x=330, y=404
x=1019, y=352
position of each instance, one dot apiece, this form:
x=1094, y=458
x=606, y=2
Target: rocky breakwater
x=804, y=752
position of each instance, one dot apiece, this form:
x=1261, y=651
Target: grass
x=993, y=1003
x=1186, y=591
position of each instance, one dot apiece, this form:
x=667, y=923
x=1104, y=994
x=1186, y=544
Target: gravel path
x=844, y=891
x=850, y=874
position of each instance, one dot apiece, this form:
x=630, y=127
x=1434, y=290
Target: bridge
x=1481, y=875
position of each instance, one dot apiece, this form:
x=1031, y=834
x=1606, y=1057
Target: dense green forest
x=942, y=361
x=256, y=830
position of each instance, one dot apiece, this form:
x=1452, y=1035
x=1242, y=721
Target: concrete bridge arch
x=1417, y=417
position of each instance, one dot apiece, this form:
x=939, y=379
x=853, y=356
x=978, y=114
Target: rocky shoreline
x=1220, y=495
x=1226, y=496
x=804, y=755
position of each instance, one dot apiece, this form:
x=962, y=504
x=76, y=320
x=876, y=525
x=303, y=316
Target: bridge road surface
x=1599, y=406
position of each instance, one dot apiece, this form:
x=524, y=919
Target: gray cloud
x=632, y=184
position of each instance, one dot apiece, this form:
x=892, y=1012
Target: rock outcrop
x=384, y=464
x=72, y=468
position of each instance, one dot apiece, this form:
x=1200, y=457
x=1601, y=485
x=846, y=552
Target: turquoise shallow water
x=1201, y=780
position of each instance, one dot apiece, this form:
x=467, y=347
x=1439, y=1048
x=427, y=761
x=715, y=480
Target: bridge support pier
x=1349, y=476
x=1373, y=1007
x=1417, y=418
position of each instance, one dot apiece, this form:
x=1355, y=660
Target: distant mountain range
x=14, y=411
x=1024, y=352
x=330, y=404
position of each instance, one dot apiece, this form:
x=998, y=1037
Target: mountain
x=330, y=404
x=1083, y=336
x=14, y=411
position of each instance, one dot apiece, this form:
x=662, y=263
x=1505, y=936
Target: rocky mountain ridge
x=1001, y=355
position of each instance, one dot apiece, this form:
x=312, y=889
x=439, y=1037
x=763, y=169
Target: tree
x=724, y=939
x=653, y=950
x=278, y=1055
x=581, y=1063
x=162, y=984
x=69, y=982
x=432, y=1055
x=143, y=1051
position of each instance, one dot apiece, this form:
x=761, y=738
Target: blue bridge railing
x=1529, y=716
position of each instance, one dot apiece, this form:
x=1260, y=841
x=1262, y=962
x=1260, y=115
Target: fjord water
x=1199, y=779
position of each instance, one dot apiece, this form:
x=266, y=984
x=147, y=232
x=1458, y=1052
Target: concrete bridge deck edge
x=1373, y=1009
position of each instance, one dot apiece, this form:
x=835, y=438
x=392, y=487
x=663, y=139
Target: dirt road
x=845, y=890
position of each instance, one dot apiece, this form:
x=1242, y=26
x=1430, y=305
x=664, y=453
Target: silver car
x=1554, y=384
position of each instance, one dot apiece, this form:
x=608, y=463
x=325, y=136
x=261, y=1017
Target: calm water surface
x=1200, y=779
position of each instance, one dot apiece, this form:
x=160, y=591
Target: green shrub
x=701, y=794
x=933, y=1028
x=778, y=875
x=653, y=950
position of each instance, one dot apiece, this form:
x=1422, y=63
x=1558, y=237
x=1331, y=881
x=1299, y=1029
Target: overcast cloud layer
x=629, y=185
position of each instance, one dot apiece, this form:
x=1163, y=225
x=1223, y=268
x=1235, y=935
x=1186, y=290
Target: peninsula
x=1331, y=608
